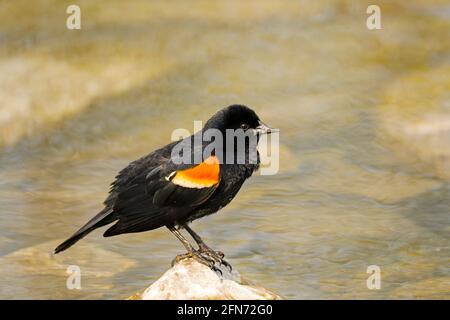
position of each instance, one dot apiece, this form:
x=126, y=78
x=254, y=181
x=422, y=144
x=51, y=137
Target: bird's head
x=238, y=117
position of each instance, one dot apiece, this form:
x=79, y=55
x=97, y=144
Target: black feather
x=104, y=217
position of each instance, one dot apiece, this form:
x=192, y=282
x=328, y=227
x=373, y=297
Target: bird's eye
x=244, y=126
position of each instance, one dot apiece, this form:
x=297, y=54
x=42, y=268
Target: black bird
x=156, y=190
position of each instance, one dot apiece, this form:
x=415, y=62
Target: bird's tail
x=104, y=217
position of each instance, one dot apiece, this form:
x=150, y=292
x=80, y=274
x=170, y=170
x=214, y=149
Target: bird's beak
x=264, y=129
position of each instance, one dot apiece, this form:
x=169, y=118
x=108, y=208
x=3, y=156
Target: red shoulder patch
x=204, y=175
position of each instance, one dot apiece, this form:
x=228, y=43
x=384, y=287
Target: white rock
x=190, y=280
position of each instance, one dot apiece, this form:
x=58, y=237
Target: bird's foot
x=197, y=256
x=216, y=256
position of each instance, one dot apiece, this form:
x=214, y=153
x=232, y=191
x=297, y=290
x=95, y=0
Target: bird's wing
x=147, y=196
x=189, y=187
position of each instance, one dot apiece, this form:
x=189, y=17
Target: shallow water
x=360, y=183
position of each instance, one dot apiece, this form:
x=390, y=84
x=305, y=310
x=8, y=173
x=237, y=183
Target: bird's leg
x=191, y=252
x=203, y=248
x=201, y=244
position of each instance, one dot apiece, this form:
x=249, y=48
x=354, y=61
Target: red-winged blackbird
x=156, y=191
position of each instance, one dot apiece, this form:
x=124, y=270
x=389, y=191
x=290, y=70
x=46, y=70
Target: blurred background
x=365, y=140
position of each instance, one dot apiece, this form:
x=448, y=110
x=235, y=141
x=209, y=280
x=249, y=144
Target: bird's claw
x=200, y=258
x=217, y=256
